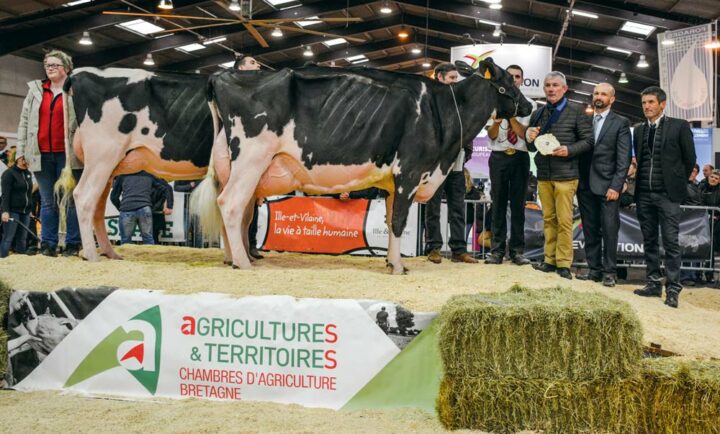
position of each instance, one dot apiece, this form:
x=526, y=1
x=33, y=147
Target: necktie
x=511, y=136
x=651, y=136
x=598, y=118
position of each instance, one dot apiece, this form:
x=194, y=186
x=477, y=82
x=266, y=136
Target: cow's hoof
x=226, y=262
x=398, y=271
x=112, y=255
x=239, y=267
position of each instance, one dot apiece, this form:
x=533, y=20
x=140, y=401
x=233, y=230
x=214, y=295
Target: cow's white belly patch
x=429, y=184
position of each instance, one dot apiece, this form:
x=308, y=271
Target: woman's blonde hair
x=64, y=58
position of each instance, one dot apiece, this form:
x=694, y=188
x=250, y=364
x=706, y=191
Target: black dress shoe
x=544, y=267
x=564, y=273
x=595, y=277
x=71, y=250
x=49, y=251
x=520, y=260
x=609, y=281
x=494, y=259
x=649, y=290
x=671, y=298
x=255, y=254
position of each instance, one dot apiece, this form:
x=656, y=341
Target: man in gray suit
x=602, y=174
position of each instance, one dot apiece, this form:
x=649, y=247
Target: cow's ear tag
x=488, y=76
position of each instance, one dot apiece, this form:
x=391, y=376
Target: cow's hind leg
x=92, y=186
x=106, y=248
x=247, y=219
x=393, y=251
x=399, y=203
x=245, y=173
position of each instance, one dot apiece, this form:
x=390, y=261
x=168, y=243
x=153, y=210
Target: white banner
x=687, y=73
x=535, y=60
x=174, y=231
x=142, y=343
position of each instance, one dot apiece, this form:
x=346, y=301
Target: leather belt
x=510, y=151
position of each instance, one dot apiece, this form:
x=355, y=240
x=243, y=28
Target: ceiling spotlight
x=276, y=33
x=497, y=31
x=403, y=34
x=496, y=6
x=165, y=4
x=667, y=41
x=642, y=63
x=714, y=44
x=589, y=110
x=426, y=64
x=386, y=9
x=416, y=50
x=85, y=40
x=234, y=6
x=149, y=60
x=308, y=52
x=623, y=79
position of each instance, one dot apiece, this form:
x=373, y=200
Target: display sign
x=332, y=226
x=535, y=60
x=142, y=343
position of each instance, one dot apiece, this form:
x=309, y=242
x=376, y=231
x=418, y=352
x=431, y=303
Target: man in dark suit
x=602, y=175
x=665, y=154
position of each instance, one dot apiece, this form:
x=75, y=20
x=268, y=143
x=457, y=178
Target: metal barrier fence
x=479, y=228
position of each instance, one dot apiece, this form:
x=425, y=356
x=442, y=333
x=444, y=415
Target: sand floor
x=692, y=330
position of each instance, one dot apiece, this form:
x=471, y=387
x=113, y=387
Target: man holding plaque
x=560, y=133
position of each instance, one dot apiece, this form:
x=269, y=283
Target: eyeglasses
x=53, y=66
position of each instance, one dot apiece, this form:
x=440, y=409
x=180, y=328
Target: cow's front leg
x=397, y=215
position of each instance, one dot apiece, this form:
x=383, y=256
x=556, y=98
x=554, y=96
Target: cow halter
x=503, y=92
x=452, y=91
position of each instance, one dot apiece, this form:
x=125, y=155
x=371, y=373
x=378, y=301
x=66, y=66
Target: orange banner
x=316, y=225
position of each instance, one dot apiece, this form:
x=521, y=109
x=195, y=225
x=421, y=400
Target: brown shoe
x=463, y=257
x=434, y=256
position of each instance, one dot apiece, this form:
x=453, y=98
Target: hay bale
x=681, y=396
x=512, y=405
x=4, y=299
x=552, y=334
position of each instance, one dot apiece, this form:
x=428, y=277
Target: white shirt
x=597, y=125
x=501, y=142
x=657, y=121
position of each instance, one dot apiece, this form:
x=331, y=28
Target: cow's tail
x=66, y=183
x=203, y=200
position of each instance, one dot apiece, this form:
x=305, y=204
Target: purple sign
x=478, y=164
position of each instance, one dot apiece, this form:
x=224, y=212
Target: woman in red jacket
x=43, y=137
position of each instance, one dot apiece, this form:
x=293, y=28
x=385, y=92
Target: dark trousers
x=13, y=233
x=600, y=223
x=509, y=175
x=158, y=220
x=454, y=188
x=52, y=164
x=655, y=209
x=252, y=230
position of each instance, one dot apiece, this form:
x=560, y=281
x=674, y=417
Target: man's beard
x=599, y=104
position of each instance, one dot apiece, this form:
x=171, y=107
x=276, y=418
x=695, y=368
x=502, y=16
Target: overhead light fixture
x=489, y=23
x=76, y=2
x=191, y=47
x=276, y=33
x=642, y=63
x=336, y=41
x=149, y=60
x=637, y=28
x=85, y=40
x=623, y=79
x=426, y=64
x=403, y=34
x=497, y=31
x=589, y=110
x=229, y=64
x=591, y=83
x=165, y=4
x=215, y=40
x=667, y=41
x=308, y=52
x=580, y=92
x=309, y=21
x=496, y=6
x=713, y=45
x=234, y=6
x=276, y=3
x=416, y=50
x=361, y=61
x=353, y=59
x=492, y=2
x=585, y=14
x=619, y=50
x=386, y=9
x=141, y=26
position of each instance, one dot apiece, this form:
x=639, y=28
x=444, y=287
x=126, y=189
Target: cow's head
x=510, y=101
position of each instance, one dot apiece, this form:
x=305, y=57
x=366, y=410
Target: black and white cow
x=131, y=120
x=328, y=130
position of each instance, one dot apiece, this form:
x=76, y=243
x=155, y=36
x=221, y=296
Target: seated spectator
x=132, y=196
x=162, y=205
x=15, y=205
